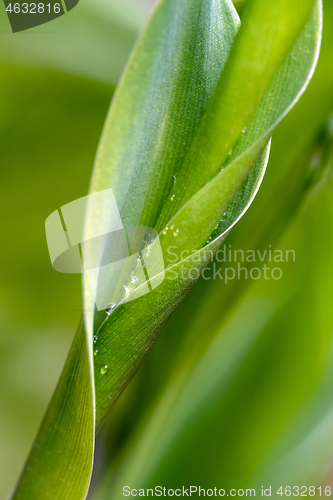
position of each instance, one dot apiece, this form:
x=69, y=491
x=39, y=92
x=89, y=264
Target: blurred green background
x=262, y=351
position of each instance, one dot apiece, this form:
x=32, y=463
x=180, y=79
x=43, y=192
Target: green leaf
x=288, y=178
x=160, y=102
x=152, y=122
x=139, y=197
x=60, y=462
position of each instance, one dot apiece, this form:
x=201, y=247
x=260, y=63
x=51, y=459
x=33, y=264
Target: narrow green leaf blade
x=61, y=459
x=160, y=102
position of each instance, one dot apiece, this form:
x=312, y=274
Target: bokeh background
x=255, y=402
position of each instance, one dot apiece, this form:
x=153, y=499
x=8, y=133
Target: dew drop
x=146, y=238
x=110, y=308
x=95, y=339
x=139, y=258
x=230, y=152
x=176, y=232
x=134, y=279
x=244, y=130
x=172, y=227
x=104, y=369
x=173, y=197
x=95, y=352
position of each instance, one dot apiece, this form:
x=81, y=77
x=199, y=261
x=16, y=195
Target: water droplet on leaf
x=104, y=369
x=110, y=308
